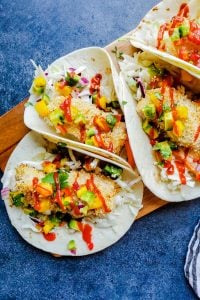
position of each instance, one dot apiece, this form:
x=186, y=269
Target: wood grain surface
x=12, y=130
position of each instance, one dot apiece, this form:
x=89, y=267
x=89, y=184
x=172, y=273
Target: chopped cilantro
x=49, y=178
x=18, y=199
x=63, y=177
x=118, y=53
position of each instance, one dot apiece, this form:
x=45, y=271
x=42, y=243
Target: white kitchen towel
x=192, y=263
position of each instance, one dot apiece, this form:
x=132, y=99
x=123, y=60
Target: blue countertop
x=147, y=263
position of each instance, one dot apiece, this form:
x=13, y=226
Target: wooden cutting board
x=12, y=130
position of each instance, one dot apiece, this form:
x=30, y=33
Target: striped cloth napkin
x=192, y=263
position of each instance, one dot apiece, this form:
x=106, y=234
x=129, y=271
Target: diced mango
x=66, y=200
x=102, y=102
x=39, y=84
x=155, y=100
x=92, y=141
x=39, y=81
x=74, y=112
x=42, y=108
x=57, y=117
x=49, y=167
x=81, y=191
x=63, y=90
x=181, y=112
x=45, y=205
x=48, y=226
x=63, y=162
x=84, y=210
x=101, y=123
x=97, y=203
x=178, y=128
x=44, y=189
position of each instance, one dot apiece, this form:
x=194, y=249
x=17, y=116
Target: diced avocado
x=46, y=98
x=72, y=79
x=55, y=221
x=80, y=119
x=155, y=71
x=63, y=179
x=113, y=171
x=88, y=197
x=30, y=211
x=94, y=98
x=91, y=132
x=48, y=178
x=115, y=104
x=66, y=200
x=89, y=142
x=84, y=210
x=73, y=224
x=164, y=149
x=166, y=107
x=18, y=199
x=184, y=30
x=71, y=245
x=111, y=120
x=57, y=117
x=168, y=120
x=175, y=35
x=146, y=126
x=150, y=130
x=149, y=111
x=173, y=146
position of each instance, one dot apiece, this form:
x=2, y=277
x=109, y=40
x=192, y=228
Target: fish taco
x=171, y=30
x=75, y=101
x=65, y=202
x=163, y=124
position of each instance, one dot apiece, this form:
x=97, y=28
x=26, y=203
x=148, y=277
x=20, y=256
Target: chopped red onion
x=72, y=69
x=198, y=168
x=5, y=192
x=141, y=86
x=80, y=206
x=84, y=81
x=73, y=251
x=35, y=220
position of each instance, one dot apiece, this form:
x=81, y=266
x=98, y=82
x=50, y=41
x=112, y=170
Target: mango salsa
x=42, y=108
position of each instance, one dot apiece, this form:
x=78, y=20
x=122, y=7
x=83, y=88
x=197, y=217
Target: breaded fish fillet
x=191, y=123
x=106, y=186
x=116, y=136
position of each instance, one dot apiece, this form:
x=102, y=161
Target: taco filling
x=181, y=36
x=69, y=191
x=78, y=107
x=170, y=118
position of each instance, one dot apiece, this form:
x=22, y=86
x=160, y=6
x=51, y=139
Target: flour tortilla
x=140, y=145
x=96, y=60
x=145, y=35
x=105, y=232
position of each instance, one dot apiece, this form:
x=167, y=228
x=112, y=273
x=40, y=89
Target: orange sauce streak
x=50, y=237
x=35, y=194
x=197, y=133
x=86, y=231
x=93, y=188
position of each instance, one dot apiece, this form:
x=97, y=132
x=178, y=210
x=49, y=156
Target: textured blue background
x=147, y=263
